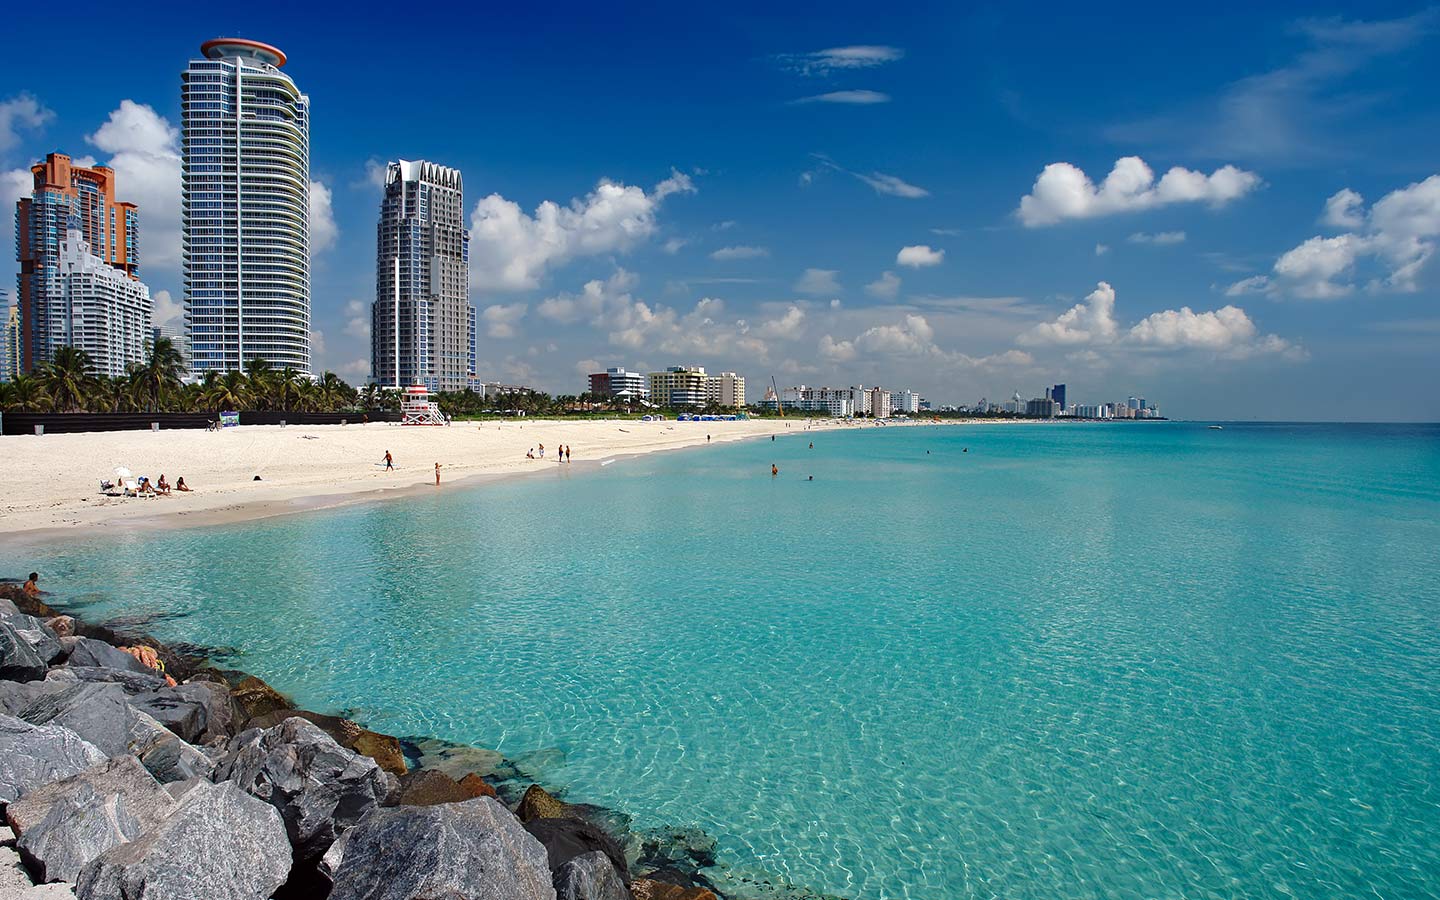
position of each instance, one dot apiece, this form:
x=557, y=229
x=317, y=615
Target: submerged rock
x=457, y=760
x=474, y=850
x=35, y=755
x=428, y=787
x=539, y=803
x=590, y=876
x=41, y=638
x=18, y=660
x=318, y=787
x=645, y=889
x=220, y=844
x=256, y=698
x=77, y=828
x=96, y=712
x=122, y=776
x=565, y=839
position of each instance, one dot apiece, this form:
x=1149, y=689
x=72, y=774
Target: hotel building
x=620, y=384
x=726, y=389
x=678, y=386
x=66, y=196
x=106, y=313
x=422, y=323
x=246, y=208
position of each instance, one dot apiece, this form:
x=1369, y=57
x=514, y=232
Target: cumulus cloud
x=1159, y=238
x=1063, y=191
x=848, y=98
x=144, y=151
x=357, y=321
x=1093, y=319
x=886, y=287
x=725, y=254
x=919, y=256
x=1395, y=238
x=323, y=230
x=500, y=319
x=818, y=281
x=164, y=309
x=787, y=326
x=21, y=113
x=510, y=250
x=824, y=62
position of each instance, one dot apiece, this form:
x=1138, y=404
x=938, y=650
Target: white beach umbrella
x=122, y=473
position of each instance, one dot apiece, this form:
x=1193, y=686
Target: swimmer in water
x=774, y=470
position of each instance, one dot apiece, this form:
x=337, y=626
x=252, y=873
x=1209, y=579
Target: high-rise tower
x=65, y=197
x=246, y=140
x=422, y=323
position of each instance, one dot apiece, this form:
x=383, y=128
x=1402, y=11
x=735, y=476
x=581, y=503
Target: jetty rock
x=122, y=776
x=565, y=839
x=86, y=651
x=318, y=787
x=16, y=695
x=132, y=682
x=18, y=660
x=188, y=710
x=539, y=803
x=96, y=712
x=32, y=756
x=382, y=748
x=41, y=637
x=590, y=876
x=219, y=844
x=163, y=753
x=77, y=828
x=476, y=850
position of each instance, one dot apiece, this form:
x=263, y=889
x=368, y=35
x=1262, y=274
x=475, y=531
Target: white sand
x=53, y=481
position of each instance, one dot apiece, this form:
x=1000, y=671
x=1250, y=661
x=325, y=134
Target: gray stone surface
x=474, y=850
x=18, y=660
x=178, y=789
x=78, y=827
x=133, y=682
x=8, y=608
x=590, y=876
x=16, y=695
x=318, y=787
x=185, y=714
x=123, y=776
x=35, y=755
x=36, y=633
x=163, y=754
x=221, y=844
x=90, y=652
x=223, y=715
x=565, y=839
x=96, y=712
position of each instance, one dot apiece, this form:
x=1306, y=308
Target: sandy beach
x=53, y=481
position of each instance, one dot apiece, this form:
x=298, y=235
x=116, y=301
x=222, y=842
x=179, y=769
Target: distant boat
x=1217, y=427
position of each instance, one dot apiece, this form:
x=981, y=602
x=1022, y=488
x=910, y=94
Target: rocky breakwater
x=130, y=771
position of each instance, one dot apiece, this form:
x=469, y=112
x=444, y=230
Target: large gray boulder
x=96, y=712
x=133, y=682
x=122, y=776
x=79, y=827
x=16, y=695
x=35, y=755
x=90, y=652
x=223, y=716
x=474, y=850
x=182, y=709
x=590, y=876
x=18, y=660
x=44, y=641
x=565, y=839
x=319, y=787
x=221, y=844
x=163, y=753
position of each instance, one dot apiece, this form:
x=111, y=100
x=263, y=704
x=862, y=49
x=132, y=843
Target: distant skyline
x=1232, y=211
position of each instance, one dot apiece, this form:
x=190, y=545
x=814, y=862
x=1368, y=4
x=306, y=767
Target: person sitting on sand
x=32, y=588
x=145, y=486
x=162, y=485
x=180, y=484
x=530, y=454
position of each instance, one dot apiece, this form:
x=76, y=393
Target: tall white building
x=726, y=389
x=422, y=323
x=10, y=352
x=246, y=201
x=103, y=311
x=906, y=402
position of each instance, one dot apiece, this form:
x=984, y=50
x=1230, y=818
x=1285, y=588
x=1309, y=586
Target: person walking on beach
x=542, y=451
x=389, y=462
x=437, y=474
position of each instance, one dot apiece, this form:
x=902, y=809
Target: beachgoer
x=145, y=486
x=389, y=461
x=530, y=454
x=774, y=470
x=772, y=438
x=812, y=445
x=162, y=485
x=707, y=438
x=811, y=478
x=542, y=451
x=31, y=588
x=437, y=474
x=180, y=484
x=567, y=453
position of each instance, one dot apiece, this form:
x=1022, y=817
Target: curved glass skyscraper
x=246, y=137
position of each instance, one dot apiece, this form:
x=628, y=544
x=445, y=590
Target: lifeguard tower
x=416, y=407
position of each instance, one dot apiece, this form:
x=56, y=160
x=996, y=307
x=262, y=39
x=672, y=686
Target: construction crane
x=776, y=388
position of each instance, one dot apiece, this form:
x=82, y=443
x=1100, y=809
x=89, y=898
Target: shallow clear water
x=1148, y=661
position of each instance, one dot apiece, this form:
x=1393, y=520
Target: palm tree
x=370, y=396
x=67, y=378
x=334, y=392
x=261, y=378
x=112, y=394
x=228, y=391
x=307, y=395
x=159, y=375
x=25, y=393
x=286, y=387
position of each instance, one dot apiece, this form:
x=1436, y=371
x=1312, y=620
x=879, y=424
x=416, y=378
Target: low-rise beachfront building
x=837, y=402
x=678, y=386
x=616, y=382
x=726, y=389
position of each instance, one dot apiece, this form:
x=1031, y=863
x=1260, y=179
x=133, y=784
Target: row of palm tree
x=67, y=383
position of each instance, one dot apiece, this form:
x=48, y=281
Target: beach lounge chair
x=109, y=488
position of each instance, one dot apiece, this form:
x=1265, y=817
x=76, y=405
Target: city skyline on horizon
x=1258, y=279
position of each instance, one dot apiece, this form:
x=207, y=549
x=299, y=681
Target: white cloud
x=1063, y=191
x=674, y=245
x=1159, y=238
x=918, y=256
x=510, y=250
x=849, y=98
x=818, y=281
x=323, y=230
x=145, y=154
x=1092, y=320
x=317, y=342
x=1255, y=284
x=165, y=310
x=824, y=62
x=375, y=173
x=1102, y=249
x=836, y=351
x=1346, y=209
x=500, y=319
x=725, y=254
x=890, y=184
x=1310, y=269
x=357, y=323
x=886, y=287
x=355, y=370
x=787, y=326
x=21, y=113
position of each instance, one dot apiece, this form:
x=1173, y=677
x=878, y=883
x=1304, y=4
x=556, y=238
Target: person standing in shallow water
x=437, y=474
x=32, y=588
x=774, y=470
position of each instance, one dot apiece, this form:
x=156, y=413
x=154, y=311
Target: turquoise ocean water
x=1085, y=661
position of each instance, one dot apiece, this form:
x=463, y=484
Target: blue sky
x=964, y=201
